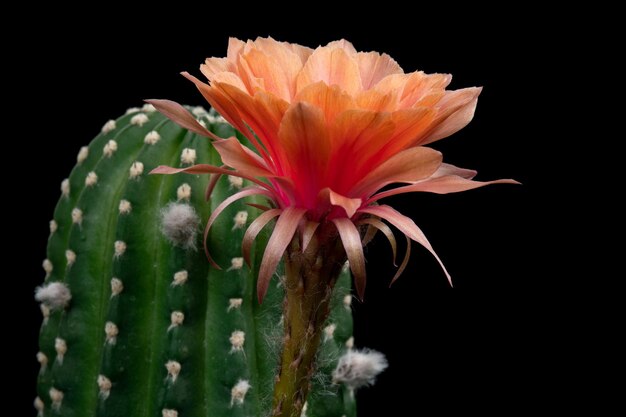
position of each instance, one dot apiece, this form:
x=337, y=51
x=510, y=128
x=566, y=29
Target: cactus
x=136, y=322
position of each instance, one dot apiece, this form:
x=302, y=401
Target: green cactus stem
x=136, y=322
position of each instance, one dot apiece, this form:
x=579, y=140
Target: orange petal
x=410, y=125
x=213, y=66
x=281, y=236
x=208, y=169
x=408, y=166
x=222, y=104
x=419, y=85
x=180, y=115
x=236, y=156
x=253, y=230
x=456, y=111
x=263, y=113
x=352, y=244
x=235, y=48
x=376, y=101
x=406, y=226
x=332, y=100
x=334, y=67
x=342, y=44
x=440, y=185
x=373, y=67
x=350, y=205
x=278, y=75
x=377, y=224
x=304, y=139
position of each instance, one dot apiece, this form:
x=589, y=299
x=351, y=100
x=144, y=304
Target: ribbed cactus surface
x=136, y=322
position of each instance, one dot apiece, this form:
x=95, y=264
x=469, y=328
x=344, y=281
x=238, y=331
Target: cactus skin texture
x=151, y=330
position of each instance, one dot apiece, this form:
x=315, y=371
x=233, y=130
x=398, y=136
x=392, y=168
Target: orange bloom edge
x=330, y=128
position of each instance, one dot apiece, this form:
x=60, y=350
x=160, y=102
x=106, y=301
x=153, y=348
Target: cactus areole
x=137, y=323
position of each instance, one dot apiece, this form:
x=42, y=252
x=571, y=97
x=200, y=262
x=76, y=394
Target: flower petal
x=329, y=197
x=441, y=185
x=405, y=261
x=284, y=231
x=408, y=166
x=178, y=114
x=373, y=67
x=374, y=222
x=236, y=156
x=352, y=244
x=334, y=66
x=246, y=192
x=307, y=234
x=456, y=111
x=222, y=104
x=305, y=142
x=253, y=230
x=209, y=169
x=332, y=100
x=406, y=226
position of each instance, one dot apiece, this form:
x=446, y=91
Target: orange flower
x=331, y=127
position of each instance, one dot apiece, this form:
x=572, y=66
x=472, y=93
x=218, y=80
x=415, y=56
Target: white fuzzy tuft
x=347, y=301
x=125, y=207
x=235, y=264
x=199, y=111
x=61, y=348
x=83, y=153
x=329, y=331
x=152, y=137
x=57, y=398
x=139, y=119
x=110, y=148
x=179, y=224
x=43, y=362
x=120, y=248
x=39, y=406
x=77, y=216
x=173, y=369
x=357, y=368
x=47, y=267
x=45, y=312
x=133, y=110
x=109, y=126
x=70, y=257
x=239, y=391
x=65, y=187
x=148, y=108
x=104, y=386
x=188, y=156
x=183, y=192
x=235, y=182
x=55, y=296
x=136, y=169
x=53, y=226
x=166, y=412
x=350, y=342
x=180, y=278
x=91, y=179
x=234, y=303
x=117, y=286
x=111, y=331
x=176, y=319
x=237, y=339
x=240, y=219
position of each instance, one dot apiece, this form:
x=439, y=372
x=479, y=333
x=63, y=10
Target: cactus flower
x=332, y=129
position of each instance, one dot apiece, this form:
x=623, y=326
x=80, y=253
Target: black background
x=490, y=344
